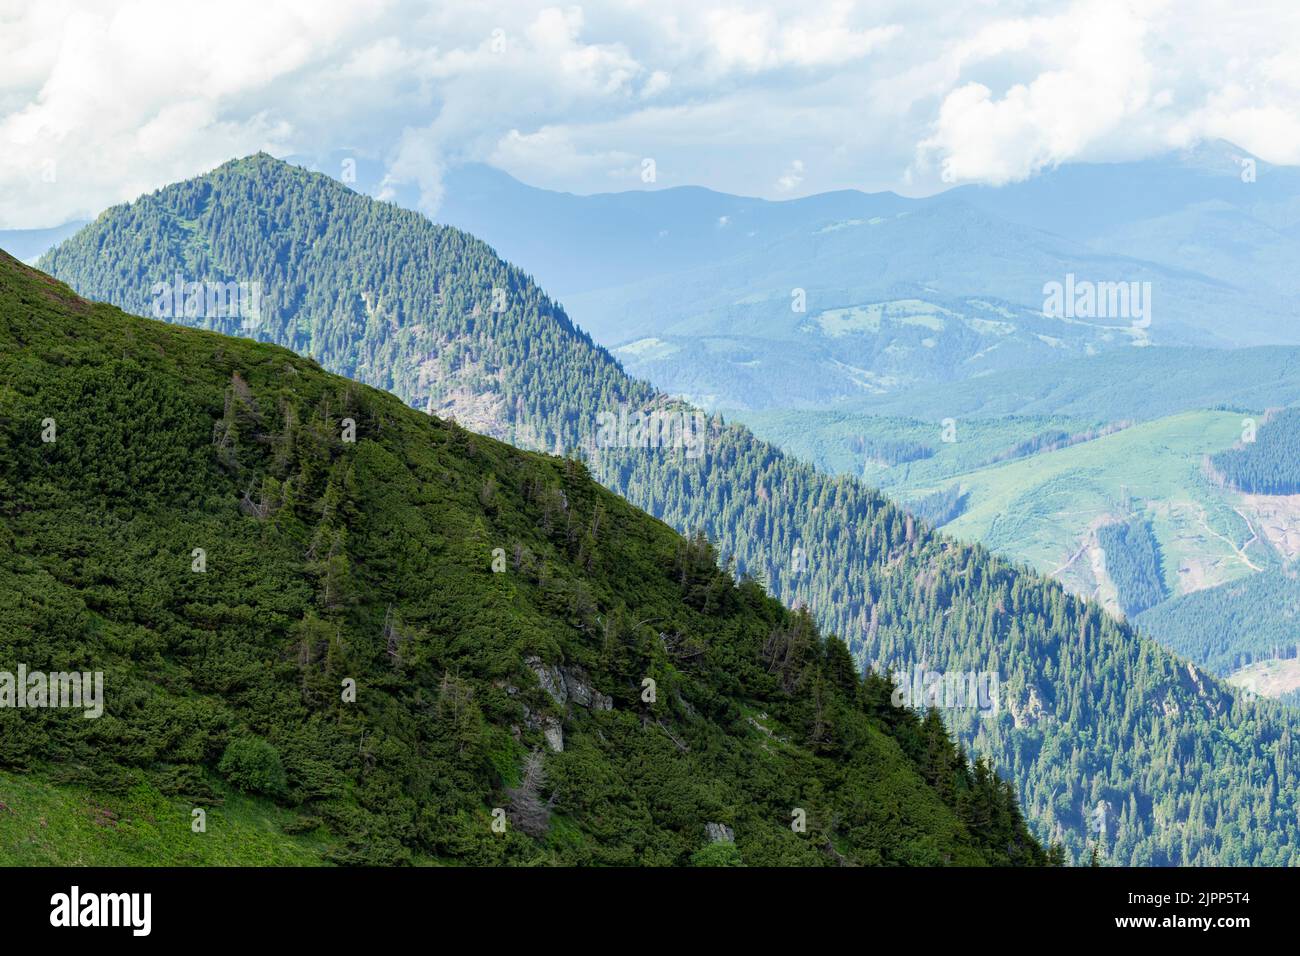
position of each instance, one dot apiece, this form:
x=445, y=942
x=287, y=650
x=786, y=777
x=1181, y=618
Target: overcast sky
x=102, y=100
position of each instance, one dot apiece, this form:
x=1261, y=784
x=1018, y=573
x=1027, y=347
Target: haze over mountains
x=30, y=244
x=692, y=289
x=1093, y=711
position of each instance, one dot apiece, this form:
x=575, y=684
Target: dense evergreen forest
x=1227, y=627
x=889, y=451
x=237, y=539
x=1269, y=465
x=1092, y=712
x=1134, y=564
x=939, y=507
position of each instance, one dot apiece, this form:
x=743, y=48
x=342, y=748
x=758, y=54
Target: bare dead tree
x=680, y=745
x=528, y=811
x=395, y=637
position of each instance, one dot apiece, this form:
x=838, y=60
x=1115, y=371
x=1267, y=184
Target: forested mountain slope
x=204, y=526
x=1130, y=384
x=1090, y=714
x=1269, y=463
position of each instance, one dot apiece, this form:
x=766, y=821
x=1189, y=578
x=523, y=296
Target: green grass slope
x=398, y=641
x=1046, y=509
x=43, y=823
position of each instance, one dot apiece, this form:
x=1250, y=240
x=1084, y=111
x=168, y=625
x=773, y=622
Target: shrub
x=253, y=765
x=722, y=853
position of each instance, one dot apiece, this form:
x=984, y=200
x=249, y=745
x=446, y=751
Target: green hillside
x=47, y=823
x=1043, y=490
x=1090, y=711
x=1047, y=509
x=1203, y=573
x=844, y=442
x=1134, y=384
x=392, y=636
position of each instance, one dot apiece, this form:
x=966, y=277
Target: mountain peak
x=1216, y=156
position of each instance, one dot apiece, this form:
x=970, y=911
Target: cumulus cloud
x=756, y=39
x=1092, y=80
x=791, y=178
x=1114, y=79
x=101, y=100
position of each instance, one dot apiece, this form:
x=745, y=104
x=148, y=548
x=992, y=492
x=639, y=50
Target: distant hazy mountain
x=30, y=244
x=573, y=244
x=696, y=290
x=1214, y=209
x=576, y=244
x=1135, y=384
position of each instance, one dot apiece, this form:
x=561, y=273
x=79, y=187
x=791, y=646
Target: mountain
x=578, y=244
x=695, y=291
x=1237, y=628
x=30, y=244
x=1089, y=710
x=1040, y=489
x=575, y=244
x=1054, y=491
x=1213, y=208
x=1128, y=384
x=496, y=614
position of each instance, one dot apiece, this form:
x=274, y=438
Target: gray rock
x=565, y=684
x=719, y=833
x=584, y=694
x=578, y=689
x=551, y=678
x=553, y=733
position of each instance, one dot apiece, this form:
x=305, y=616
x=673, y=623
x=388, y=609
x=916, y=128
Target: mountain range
x=1093, y=713
x=30, y=244
x=693, y=289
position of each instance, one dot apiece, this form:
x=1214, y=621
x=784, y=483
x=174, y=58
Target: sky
x=103, y=100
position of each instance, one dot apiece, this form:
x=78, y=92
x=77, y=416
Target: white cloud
x=122, y=96
x=761, y=39
x=1093, y=80
x=551, y=151
x=1109, y=79
x=791, y=178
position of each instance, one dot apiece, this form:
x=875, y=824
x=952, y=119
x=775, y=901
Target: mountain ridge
x=446, y=582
